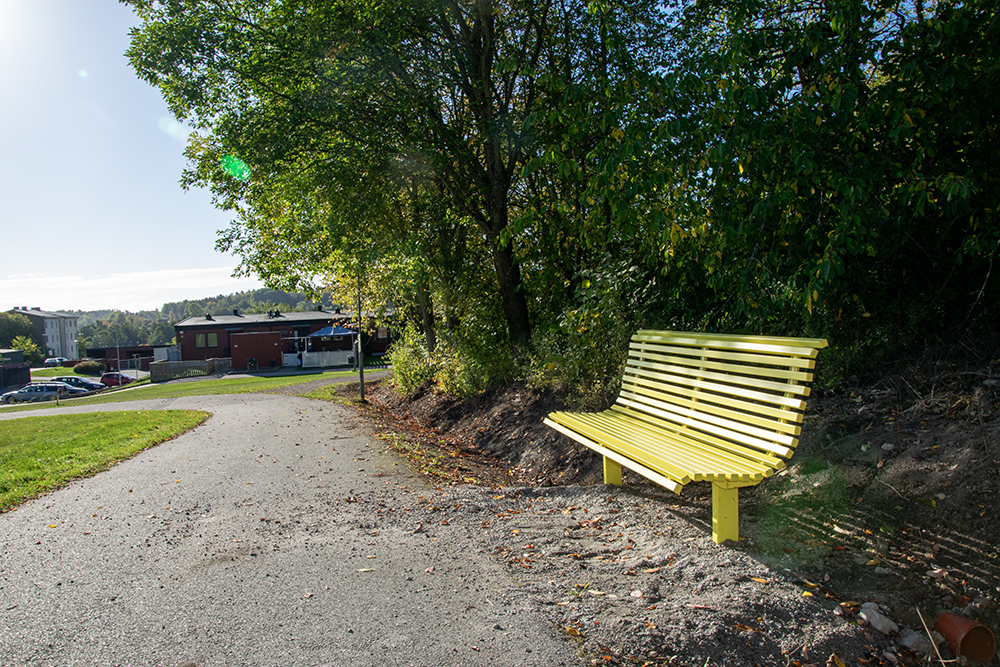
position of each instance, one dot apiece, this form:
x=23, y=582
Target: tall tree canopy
x=584, y=168
x=343, y=111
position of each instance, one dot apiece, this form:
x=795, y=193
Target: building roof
x=261, y=319
x=38, y=312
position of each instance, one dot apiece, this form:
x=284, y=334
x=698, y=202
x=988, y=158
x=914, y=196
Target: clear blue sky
x=91, y=212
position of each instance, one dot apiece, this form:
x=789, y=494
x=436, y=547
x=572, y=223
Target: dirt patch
x=890, y=499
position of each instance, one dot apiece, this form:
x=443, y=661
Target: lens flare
x=235, y=167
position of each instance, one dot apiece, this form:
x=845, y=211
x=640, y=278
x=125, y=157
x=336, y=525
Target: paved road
x=263, y=537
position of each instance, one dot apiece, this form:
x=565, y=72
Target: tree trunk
x=426, y=313
x=515, y=305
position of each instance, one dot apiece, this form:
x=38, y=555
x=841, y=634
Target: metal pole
x=361, y=355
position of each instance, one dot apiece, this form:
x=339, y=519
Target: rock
x=916, y=641
x=869, y=612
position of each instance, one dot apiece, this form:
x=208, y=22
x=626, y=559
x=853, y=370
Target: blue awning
x=332, y=331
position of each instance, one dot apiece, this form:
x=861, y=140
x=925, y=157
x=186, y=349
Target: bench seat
x=694, y=407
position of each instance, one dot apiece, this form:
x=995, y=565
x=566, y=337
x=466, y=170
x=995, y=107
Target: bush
x=459, y=373
x=411, y=365
x=89, y=367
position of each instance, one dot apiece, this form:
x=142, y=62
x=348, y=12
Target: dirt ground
x=891, y=499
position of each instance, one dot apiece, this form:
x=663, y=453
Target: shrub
x=411, y=365
x=89, y=367
x=459, y=373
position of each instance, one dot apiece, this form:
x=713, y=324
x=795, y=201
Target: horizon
x=133, y=292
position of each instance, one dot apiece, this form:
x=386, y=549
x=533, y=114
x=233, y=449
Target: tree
x=13, y=325
x=32, y=354
x=326, y=99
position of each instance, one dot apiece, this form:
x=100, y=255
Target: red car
x=115, y=379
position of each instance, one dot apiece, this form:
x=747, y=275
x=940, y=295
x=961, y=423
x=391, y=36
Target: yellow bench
x=694, y=407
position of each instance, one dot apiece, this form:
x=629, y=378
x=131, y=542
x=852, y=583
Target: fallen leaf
x=759, y=580
x=652, y=570
x=367, y=569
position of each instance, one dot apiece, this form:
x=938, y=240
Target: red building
x=211, y=336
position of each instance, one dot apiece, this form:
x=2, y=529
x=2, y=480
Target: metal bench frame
x=720, y=408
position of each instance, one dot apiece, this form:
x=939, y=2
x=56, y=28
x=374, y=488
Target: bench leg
x=725, y=512
x=612, y=472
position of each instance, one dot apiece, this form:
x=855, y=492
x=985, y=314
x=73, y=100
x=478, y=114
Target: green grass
x=39, y=454
x=197, y=388
x=57, y=371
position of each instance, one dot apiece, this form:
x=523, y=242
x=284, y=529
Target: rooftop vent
x=208, y=316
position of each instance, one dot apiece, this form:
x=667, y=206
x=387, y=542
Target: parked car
x=115, y=379
x=55, y=361
x=42, y=391
x=82, y=383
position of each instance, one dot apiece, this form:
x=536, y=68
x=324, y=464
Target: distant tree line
x=108, y=328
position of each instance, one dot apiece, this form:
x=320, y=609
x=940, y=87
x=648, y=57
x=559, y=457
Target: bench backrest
x=742, y=393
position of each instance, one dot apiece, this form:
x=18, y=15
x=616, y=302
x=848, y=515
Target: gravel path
x=255, y=539
x=280, y=533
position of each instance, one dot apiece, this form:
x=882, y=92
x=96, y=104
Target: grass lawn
x=197, y=388
x=57, y=371
x=39, y=454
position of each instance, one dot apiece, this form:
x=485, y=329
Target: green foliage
x=588, y=169
x=13, y=325
x=32, y=354
x=412, y=366
x=89, y=367
x=459, y=373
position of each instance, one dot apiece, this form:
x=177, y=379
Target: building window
x=199, y=340
x=213, y=340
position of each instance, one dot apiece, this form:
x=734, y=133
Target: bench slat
x=701, y=459
x=726, y=435
x=775, y=368
x=732, y=382
x=642, y=441
x=785, y=434
x=782, y=419
x=806, y=347
x=618, y=458
x=667, y=379
x=807, y=363
x=583, y=423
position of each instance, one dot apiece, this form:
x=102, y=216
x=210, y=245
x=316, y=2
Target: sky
x=92, y=215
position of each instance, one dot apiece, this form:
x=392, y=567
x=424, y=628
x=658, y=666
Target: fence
x=161, y=371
